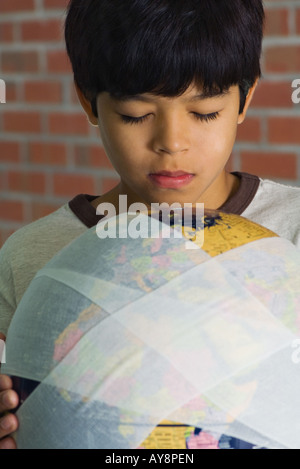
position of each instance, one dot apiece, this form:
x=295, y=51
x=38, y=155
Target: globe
x=156, y=341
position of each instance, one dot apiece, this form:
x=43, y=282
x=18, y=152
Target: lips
x=171, y=179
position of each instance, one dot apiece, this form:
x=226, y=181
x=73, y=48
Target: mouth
x=171, y=179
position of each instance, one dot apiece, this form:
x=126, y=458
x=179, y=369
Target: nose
x=171, y=136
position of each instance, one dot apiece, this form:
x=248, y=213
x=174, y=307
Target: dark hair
x=130, y=47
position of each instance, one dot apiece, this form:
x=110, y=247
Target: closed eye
x=133, y=120
x=138, y=120
x=206, y=117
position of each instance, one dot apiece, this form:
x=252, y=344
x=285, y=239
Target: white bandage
x=125, y=333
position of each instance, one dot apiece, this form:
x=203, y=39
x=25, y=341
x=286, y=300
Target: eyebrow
x=198, y=97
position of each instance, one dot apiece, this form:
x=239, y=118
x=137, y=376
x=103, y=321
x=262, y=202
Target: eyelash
x=206, y=117
x=133, y=120
x=139, y=120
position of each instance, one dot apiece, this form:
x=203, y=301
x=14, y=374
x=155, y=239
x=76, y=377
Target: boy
x=167, y=82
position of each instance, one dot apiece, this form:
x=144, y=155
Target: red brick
x=273, y=95
x=42, y=209
x=8, y=6
x=70, y=185
x=48, y=30
x=284, y=130
x=20, y=62
x=3, y=182
x=93, y=156
x=11, y=92
x=9, y=152
x=268, y=164
x=22, y=121
x=11, y=210
x=73, y=95
x=42, y=92
x=68, y=123
x=47, y=153
x=282, y=59
x=58, y=62
x=55, y=4
x=21, y=181
x=276, y=22
x=298, y=21
x=6, y=32
x=249, y=130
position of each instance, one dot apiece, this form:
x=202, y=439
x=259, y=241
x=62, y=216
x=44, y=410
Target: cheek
x=121, y=149
x=223, y=138
x=111, y=140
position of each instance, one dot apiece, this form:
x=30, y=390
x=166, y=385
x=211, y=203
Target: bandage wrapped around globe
x=126, y=333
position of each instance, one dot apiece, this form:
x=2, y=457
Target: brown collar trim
x=84, y=210
x=81, y=204
x=238, y=203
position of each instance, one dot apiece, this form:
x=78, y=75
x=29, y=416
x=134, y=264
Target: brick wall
x=268, y=142
x=49, y=152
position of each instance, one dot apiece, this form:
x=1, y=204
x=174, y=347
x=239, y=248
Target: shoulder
x=273, y=188
x=59, y=223
x=277, y=206
x=277, y=196
x=32, y=246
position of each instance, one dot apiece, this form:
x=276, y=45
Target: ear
x=250, y=94
x=85, y=103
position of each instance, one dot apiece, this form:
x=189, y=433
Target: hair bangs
x=138, y=46
x=167, y=61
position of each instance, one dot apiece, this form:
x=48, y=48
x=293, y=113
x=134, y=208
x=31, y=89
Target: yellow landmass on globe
x=223, y=231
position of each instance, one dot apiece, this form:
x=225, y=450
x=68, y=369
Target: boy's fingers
x=8, y=424
x=8, y=400
x=8, y=443
x=5, y=382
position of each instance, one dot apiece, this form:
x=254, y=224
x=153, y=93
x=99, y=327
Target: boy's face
x=172, y=149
